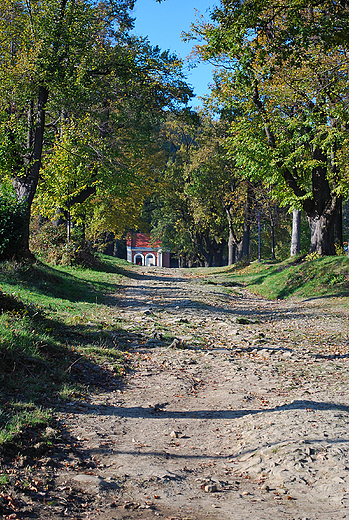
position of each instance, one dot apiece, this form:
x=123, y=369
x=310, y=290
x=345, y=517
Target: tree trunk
x=208, y=260
x=245, y=251
x=296, y=232
x=272, y=242
x=218, y=254
x=239, y=250
x=232, y=238
x=322, y=234
x=234, y=252
x=322, y=210
x=231, y=250
x=247, y=218
x=206, y=252
x=339, y=224
x=25, y=186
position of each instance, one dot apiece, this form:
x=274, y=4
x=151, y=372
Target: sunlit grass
x=17, y=416
x=327, y=276
x=51, y=319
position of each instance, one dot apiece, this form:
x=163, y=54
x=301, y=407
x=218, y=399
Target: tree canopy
x=283, y=84
x=93, y=122
x=81, y=102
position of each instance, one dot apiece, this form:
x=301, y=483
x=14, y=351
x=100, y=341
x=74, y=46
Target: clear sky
x=163, y=24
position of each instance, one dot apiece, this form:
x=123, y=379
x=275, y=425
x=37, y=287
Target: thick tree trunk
x=206, y=252
x=239, y=251
x=296, y=232
x=322, y=210
x=234, y=253
x=231, y=249
x=322, y=234
x=25, y=186
x=208, y=259
x=339, y=224
x=218, y=255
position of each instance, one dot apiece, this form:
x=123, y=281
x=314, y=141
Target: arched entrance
x=139, y=259
x=150, y=259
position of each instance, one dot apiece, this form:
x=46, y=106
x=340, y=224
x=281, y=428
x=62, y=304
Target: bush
x=50, y=244
x=12, y=223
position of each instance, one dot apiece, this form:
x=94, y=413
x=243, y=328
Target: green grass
x=55, y=322
x=296, y=277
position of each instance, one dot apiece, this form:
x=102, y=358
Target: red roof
x=140, y=240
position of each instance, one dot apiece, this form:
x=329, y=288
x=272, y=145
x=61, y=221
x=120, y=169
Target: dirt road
x=233, y=407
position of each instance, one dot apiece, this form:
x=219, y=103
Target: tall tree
x=285, y=72
x=104, y=164
x=66, y=61
x=202, y=196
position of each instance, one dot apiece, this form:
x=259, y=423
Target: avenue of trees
x=95, y=130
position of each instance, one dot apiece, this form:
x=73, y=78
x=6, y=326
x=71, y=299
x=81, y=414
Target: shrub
x=50, y=243
x=12, y=223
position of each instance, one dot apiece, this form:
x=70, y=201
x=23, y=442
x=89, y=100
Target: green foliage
x=190, y=217
x=312, y=256
x=80, y=105
x=283, y=89
x=50, y=244
x=12, y=221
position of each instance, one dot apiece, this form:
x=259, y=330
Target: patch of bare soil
x=234, y=407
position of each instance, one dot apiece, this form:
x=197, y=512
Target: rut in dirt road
x=234, y=407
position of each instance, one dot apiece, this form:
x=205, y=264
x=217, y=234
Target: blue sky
x=163, y=24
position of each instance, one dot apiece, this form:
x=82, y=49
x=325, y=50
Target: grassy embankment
x=55, y=326
x=298, y=277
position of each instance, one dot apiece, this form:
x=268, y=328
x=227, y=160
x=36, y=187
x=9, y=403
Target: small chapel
x=141, y=250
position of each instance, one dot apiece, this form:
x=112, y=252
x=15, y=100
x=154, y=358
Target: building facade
x=140, y=251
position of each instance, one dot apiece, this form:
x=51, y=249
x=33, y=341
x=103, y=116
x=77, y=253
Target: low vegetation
x=303, y=277
x=55, y=324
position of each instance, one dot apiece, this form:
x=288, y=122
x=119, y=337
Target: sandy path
x=247, y=418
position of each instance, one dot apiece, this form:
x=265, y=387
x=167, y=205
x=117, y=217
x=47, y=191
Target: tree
x=203, y=204
x=66, y=61
x=48, y=51
x=284, y=77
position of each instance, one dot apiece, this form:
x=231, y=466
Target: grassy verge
x=56, y=327
x=297, y=277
